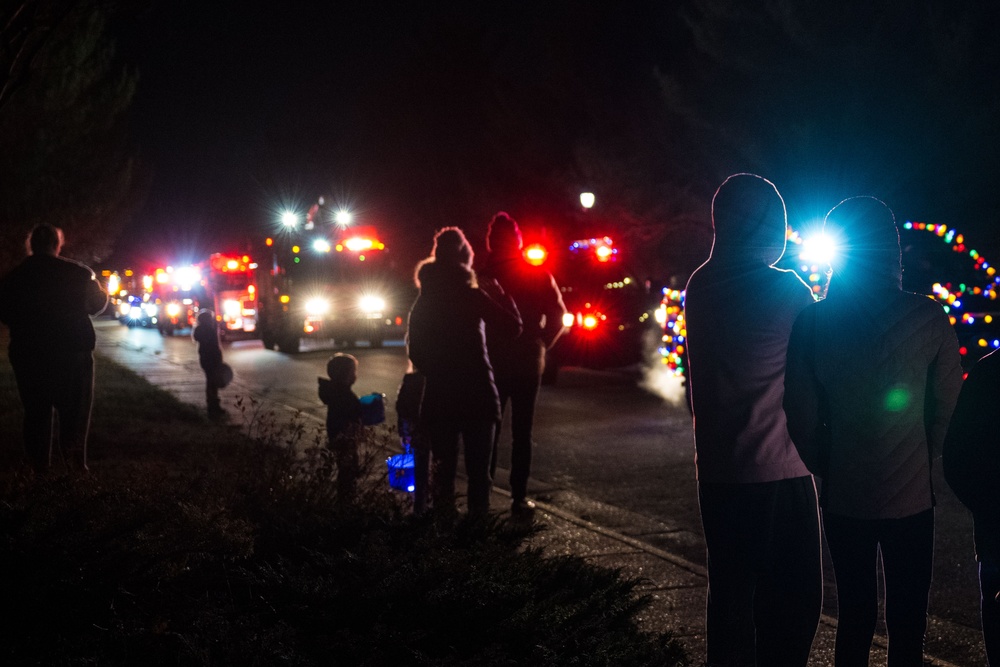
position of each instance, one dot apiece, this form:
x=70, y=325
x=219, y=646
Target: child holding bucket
x=343, y=419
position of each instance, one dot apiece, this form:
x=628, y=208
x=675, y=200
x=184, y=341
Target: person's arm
x=971, y=451
x=499, y=313
x=944, y=382
x=95, y=298
x=554, y=311
x=802, y=401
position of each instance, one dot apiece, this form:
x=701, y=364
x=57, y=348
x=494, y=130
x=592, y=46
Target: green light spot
x=897, y=400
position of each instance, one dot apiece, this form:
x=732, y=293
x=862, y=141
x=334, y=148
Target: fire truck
x=224, y=283
x=329, y=282
x=609, y=316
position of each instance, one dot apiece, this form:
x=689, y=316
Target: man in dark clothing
x=518, y=363
x=971, y=459
x=46, y=301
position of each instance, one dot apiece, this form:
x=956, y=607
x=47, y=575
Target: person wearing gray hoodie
x=757, y=498
x=873, y=376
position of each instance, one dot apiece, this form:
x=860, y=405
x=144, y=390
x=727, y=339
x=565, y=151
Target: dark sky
x=420, y=115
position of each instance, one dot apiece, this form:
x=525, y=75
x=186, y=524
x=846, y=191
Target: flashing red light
x=604, y=253
x=535, y=254
x=590, y=322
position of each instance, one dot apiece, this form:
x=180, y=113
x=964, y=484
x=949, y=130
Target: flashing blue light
x=996, y=343
x=958, y=304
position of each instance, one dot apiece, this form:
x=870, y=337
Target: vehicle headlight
x=231, y=308
x=317, y=306
x=125, y=308
x=372, y=304
x=150, y=309
x=173, y=309
x=568, y=320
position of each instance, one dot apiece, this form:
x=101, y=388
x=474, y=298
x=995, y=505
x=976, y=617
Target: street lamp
x=587, y=200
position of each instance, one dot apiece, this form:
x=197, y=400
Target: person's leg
x=477, y=437
x=348, y=465
x=789, y=593
x=444, y=453
x=523, y=396
x=74, y=402
x=212, y=394
x=726, y=516
x=503, y=389
x=907, y=559
x=854, y=551
x=420, y=447
x=33, y=385
x=989, y=590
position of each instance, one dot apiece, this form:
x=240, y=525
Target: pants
x=522, y=393
x=989, y=588
x=477, y=437
x=345, y=452
x=907, y=549
x=212, y=391
x=63, y=388
x=765, y=579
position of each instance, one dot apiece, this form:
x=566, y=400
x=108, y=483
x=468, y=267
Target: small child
x=206, y=334
x=343, y=419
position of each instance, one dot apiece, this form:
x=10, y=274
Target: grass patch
x=191, y=543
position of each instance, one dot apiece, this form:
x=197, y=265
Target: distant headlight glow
x=173, y=309
x=372, y=304
x=568, y=319
x=231, y=308
x=317, y=306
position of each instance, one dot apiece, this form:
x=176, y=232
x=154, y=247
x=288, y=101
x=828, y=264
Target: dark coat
x=343, y=412
x=446, y=342
x=540, y=304
x=47, y=302
x=209, y=348
x=971, y=456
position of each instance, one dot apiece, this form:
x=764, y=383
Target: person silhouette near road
x=971, y=459
x=343, y=419
x=206, y=335
x=872, y=378
x=446, y=342
x=758, y=500
x=47, y=301
x=518, y=363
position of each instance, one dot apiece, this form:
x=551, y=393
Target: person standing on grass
x=518, y=363
x=873, y=376
x=446, y=342
x=757, y=499
x=47, y=301
x=206, y=335
x=343, y=419
x=971, y=460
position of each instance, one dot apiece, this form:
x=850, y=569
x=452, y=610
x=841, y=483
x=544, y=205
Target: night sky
x=421, y=115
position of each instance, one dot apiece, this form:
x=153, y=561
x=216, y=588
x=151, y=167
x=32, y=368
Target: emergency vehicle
x=230, y=282
x=328, y=282
x=179, y=293
x=609, y=313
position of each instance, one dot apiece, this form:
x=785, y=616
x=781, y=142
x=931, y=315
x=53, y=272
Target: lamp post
x=587, y=200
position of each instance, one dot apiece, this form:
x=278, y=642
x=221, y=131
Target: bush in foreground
x=240, y=552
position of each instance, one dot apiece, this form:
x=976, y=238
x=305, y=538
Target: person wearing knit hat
x=757, y=498
x=872, y=379
x=518, y=363
x=446, y=342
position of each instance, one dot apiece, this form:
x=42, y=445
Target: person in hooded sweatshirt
x=446, y=342
x=757, y=498
x=872, y=379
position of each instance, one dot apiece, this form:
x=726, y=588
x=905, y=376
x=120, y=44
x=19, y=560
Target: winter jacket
x=47, y=302
x=343, y=411
x=739, y=312
x=872, y=379
x=971, y=454
x=209, y=347
x=446, y=342
x=540, y=304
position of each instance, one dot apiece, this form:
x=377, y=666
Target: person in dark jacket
x=206, y=335
x=872, y=378
x=757, y=499
x=343, y=419
x=971, y=459
x=518, y=363
x=47, y=302
x=446, y=342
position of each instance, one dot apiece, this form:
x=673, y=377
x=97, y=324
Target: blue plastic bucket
x=401, y=472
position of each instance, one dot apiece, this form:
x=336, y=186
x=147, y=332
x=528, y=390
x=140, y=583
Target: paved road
x=609, y=452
